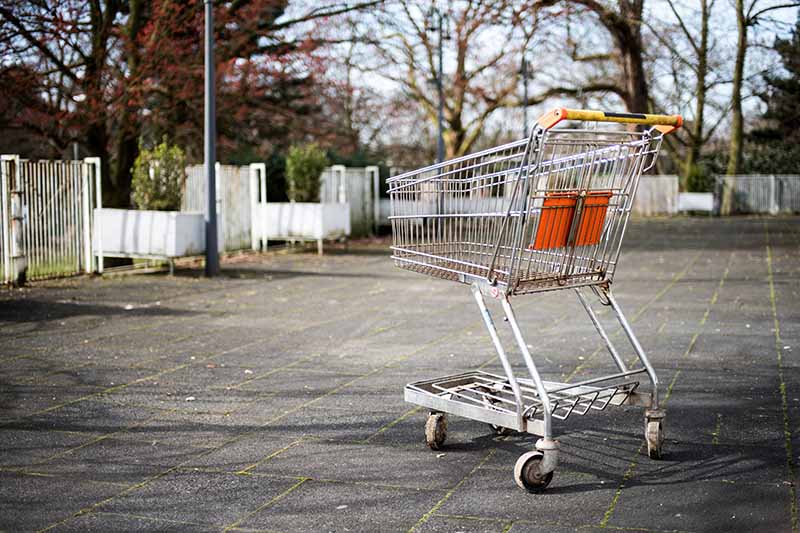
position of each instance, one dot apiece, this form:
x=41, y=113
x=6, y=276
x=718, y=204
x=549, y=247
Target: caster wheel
x=489, y=402
x=654, y=435
x=435, y=430
x=501, y=431
x=527, y=472
x=498, y=430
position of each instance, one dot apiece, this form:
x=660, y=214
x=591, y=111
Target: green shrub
x=304, y=165
x=158, y=177
x=699, y=179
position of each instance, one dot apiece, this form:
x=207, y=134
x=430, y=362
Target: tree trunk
x=628, y=35
x=735, y=152
x=128, y=128
x=696, y=134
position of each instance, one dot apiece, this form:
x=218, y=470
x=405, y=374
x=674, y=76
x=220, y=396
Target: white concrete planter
x=302, y=221
x=158, y=234
x=696, y=201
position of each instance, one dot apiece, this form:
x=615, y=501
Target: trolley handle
x=663, y=123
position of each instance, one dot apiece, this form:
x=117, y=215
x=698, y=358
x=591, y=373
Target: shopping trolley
x=540, y=214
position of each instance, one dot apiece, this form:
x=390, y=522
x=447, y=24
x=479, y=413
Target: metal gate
x=656, y=195
x=235, y=188
x=360, y=188
x=53, y=228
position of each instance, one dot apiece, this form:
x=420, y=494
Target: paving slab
x=342, y=506
x=196, y=497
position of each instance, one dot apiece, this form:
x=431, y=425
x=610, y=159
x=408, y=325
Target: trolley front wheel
x=436, y=430
x=528, y=472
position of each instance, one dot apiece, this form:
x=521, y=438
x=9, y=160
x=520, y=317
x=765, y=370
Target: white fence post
x=376, y=196
x=6, y=161
x=773, y=196
x=220, y=187
x=87, y=211
x=18, y=258
x=258, y=197
x=341, y=185
x=92, y=166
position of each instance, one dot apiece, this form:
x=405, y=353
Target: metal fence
x=760, y=194
x=54, y=229
x=51, y=226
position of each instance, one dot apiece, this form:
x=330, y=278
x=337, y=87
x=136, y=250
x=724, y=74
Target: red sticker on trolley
x=495, y=292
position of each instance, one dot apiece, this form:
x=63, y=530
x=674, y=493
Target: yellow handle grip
x=663, y=123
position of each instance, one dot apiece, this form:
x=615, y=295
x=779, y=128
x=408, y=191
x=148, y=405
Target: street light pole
x=436, y=24
x=440, y=146
x=525, y=92
x=210, y=155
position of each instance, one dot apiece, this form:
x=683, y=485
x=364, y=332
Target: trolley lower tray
x=489, y=398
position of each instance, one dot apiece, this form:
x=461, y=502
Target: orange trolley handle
x=663, y=123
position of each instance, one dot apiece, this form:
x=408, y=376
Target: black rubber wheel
x=527, y=472
x=501, y=431
x=436, y=430
x=654, y=435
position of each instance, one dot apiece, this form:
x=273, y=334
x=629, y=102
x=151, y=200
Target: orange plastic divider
x=595, y=207
x=558, y=209
x=558, y=212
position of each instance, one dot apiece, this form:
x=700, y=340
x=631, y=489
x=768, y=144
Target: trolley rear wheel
x=436, y=430
x=528, y=474
x=654, y=435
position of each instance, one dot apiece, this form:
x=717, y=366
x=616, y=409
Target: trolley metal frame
x=541, y=214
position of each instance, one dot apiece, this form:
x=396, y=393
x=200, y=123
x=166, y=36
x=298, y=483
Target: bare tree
x=689, y=48
x=484, y=43
x=747, y=16
x=621, y=68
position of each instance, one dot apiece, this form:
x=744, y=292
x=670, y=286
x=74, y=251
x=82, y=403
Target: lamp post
x=524, y=71
x=210, y=151
x=435, y=22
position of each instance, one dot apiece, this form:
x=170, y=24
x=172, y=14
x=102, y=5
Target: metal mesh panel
x=354, y=186
x=233, y=203
x=788, y=194
x=764, y=193
x=53, y=236
x=656, y=195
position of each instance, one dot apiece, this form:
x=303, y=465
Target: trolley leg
x=636, y=346
x=602, y=332
x=534, y=372
x=653, y=416
x=512, y=380
x=546, y=456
